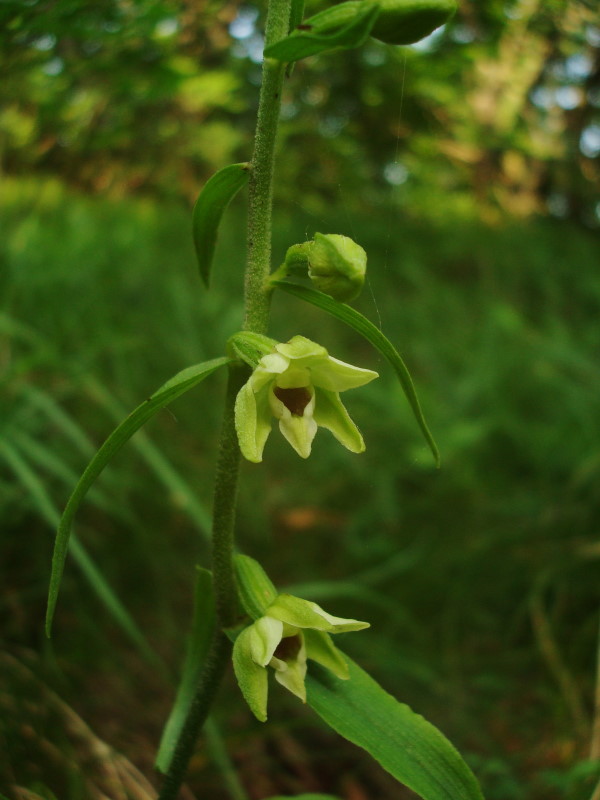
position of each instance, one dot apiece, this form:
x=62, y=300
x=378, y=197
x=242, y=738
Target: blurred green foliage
x=466, y=168
x=476, y=578
x=501, y=109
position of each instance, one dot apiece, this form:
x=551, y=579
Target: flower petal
x=321, y=649
x=337, y=376
x=299, y=347
x=274, y=363
x=251, y=678
x=338, y=624
x=292, y=677
x=265, y=635
x=252, y=421
x=299, y=431
x=299, y=613
x=330, y=413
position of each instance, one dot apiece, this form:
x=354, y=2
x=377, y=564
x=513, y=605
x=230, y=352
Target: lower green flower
x=290, y=632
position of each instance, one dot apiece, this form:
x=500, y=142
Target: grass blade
x=175, y=387
x=162, y=468
x=367, y=330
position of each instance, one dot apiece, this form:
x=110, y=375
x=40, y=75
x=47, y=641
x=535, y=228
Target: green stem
x=214, y=668
x=224, y=585
x=258, y=296
x=224, y=506
x=260, y=185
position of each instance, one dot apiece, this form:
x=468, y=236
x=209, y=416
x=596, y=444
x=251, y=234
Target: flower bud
x=337, y=266
x=398, y=21
x=407, y=21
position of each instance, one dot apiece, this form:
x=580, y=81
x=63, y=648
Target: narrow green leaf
x=362, y=325
x=210, y=205
x=46, y=458
x=404, y=743
x=158, y=463
x=301, y=43
x=203, y=624
x=173, y=388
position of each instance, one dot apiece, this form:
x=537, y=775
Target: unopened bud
x=337, y=266
x=407, y=21
x=398, y=21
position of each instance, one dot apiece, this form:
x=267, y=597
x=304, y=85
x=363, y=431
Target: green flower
x=290, y=631
x=298, y=384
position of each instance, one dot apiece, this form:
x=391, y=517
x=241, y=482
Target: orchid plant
x=245, y=618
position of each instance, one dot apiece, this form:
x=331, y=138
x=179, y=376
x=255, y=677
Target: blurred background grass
x=480, y=580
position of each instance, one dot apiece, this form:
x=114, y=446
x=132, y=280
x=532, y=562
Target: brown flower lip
x=294, y=399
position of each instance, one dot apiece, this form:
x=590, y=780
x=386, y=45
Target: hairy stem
x=257, y=298
x=214, y=668
x=260, y=186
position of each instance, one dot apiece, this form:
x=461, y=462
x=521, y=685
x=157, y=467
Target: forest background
x=467, y=166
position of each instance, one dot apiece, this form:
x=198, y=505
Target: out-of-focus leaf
x=210, y=205
x=362, y=325
x=202, y=628
x=411, y=749
x=301, y=43
x=173, y=388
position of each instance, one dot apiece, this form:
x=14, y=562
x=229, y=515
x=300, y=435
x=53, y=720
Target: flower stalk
x=257, y=301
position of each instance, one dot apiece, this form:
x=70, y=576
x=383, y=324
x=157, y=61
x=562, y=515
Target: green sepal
x=252, y=678
x=372, y=334
x=301, y=43
x=208, y=210
x=250, y=347
x=330, y=413
x=169, y=391
x=305, y=614
x=296, y=260
x=255, y=589
x=321, y=649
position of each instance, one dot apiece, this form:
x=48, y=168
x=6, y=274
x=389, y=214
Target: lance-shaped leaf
x=202, y=628
x=362, y=325
x=411, y=749
x=210, y=205
x=173, y=388
x=303, y=43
